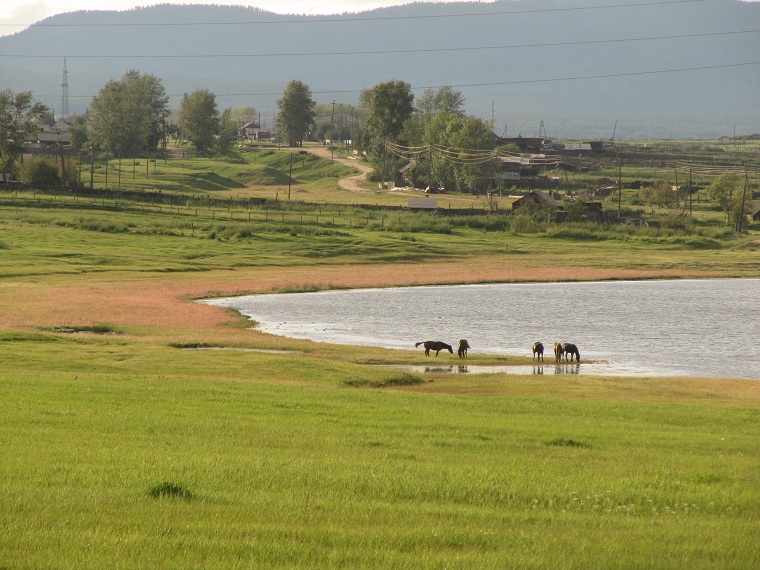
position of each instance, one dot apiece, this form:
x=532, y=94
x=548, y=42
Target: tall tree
x=199, y=119
x=727, y=193
x=297, y=112
x=389, y=105
x=441, y=100
x=128, y=114
x=462, y=137
x=226, y=132
x=19, y=114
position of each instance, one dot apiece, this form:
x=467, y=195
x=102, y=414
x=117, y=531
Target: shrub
x=40, y=171
x=523, y=224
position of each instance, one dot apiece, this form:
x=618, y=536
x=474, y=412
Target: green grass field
x=143, y=430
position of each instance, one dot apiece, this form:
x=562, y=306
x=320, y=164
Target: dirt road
x=350, y=183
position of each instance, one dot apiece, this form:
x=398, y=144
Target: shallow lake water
x=654, y=328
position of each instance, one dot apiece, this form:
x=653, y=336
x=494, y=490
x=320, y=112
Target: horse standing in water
x=572, y=350
x=538, y=351
x=462, y=348
x=436, y=345
x=558, y=351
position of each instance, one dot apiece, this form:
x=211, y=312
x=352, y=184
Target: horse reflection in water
x=567, y=368
x=436, y=345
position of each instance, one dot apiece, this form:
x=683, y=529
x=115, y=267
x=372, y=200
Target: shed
x=755, y=211
x=536, y=200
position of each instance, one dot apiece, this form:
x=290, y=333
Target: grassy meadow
x=143, y=430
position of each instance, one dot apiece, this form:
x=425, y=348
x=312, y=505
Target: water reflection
x=643, y=327
x=600, y=368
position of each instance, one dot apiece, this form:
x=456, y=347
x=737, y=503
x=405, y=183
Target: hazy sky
x=15, y=15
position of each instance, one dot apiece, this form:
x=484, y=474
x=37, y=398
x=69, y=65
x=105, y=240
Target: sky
x=16, y=15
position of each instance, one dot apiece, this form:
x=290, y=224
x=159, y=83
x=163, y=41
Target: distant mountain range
x=662, y=70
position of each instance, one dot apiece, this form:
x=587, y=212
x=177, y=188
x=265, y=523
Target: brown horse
x=558, y=351
x=436, y=345
x=538, y=351
x=462, y=348
x=572, y=350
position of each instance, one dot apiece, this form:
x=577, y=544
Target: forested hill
x=577, y=67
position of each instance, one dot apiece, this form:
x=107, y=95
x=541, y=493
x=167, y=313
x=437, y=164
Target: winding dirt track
x=350, y=183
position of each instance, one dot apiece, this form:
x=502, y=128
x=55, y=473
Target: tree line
x=131, y=115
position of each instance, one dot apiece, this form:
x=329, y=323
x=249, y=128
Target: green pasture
x=121, y=453
x=61, y=236
x=184, y=445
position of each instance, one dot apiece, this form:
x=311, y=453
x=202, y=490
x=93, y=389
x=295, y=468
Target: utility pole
x=740, y=223
x=332, y=123
x=620, y=185
x=290, y=176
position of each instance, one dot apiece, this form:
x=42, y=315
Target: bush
x=40, y=171
x=523, y=224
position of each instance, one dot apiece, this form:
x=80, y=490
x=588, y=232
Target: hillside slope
x=577, y=67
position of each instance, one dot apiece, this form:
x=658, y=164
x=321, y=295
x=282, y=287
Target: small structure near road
x=423, y=204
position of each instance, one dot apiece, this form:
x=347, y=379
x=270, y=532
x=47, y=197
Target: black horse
x=538, y=351
x=462, y=348
x=436, y=345
x=572, y=351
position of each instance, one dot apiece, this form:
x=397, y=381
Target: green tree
x=19, y=114
x=128, y=114
x=458, y=160
x=79, y=134
x=199, y=119
x=728, y=194
x=227, y=131
x=389, y=105
x=441, y=100
x=297, y=112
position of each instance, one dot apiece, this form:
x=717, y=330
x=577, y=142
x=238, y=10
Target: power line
x=382, y=52
x=349, y=18
x=496, y=83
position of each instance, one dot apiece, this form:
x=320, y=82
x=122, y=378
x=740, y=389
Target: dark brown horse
x=462, y=348
x=558, y=351
x=572, y=350
x=538, y=351
x=436, y=345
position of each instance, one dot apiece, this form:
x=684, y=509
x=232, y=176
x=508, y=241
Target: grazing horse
x=572, y=350
x=462, y=348
x=436, y=345
x=538, y=351
x=558, y=351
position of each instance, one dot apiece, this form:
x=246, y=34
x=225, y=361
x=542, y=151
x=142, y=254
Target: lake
x=655, y=328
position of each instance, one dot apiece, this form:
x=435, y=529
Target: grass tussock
x=404, y=379
x=562, y=442
x=97, y=328
x=168, y=490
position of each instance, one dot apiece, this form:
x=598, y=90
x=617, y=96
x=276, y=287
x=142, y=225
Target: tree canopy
x=128, y=114
x=297, y=112
x=727, y=193
x=389, y=105
x=199, y=119
x=19, y=115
